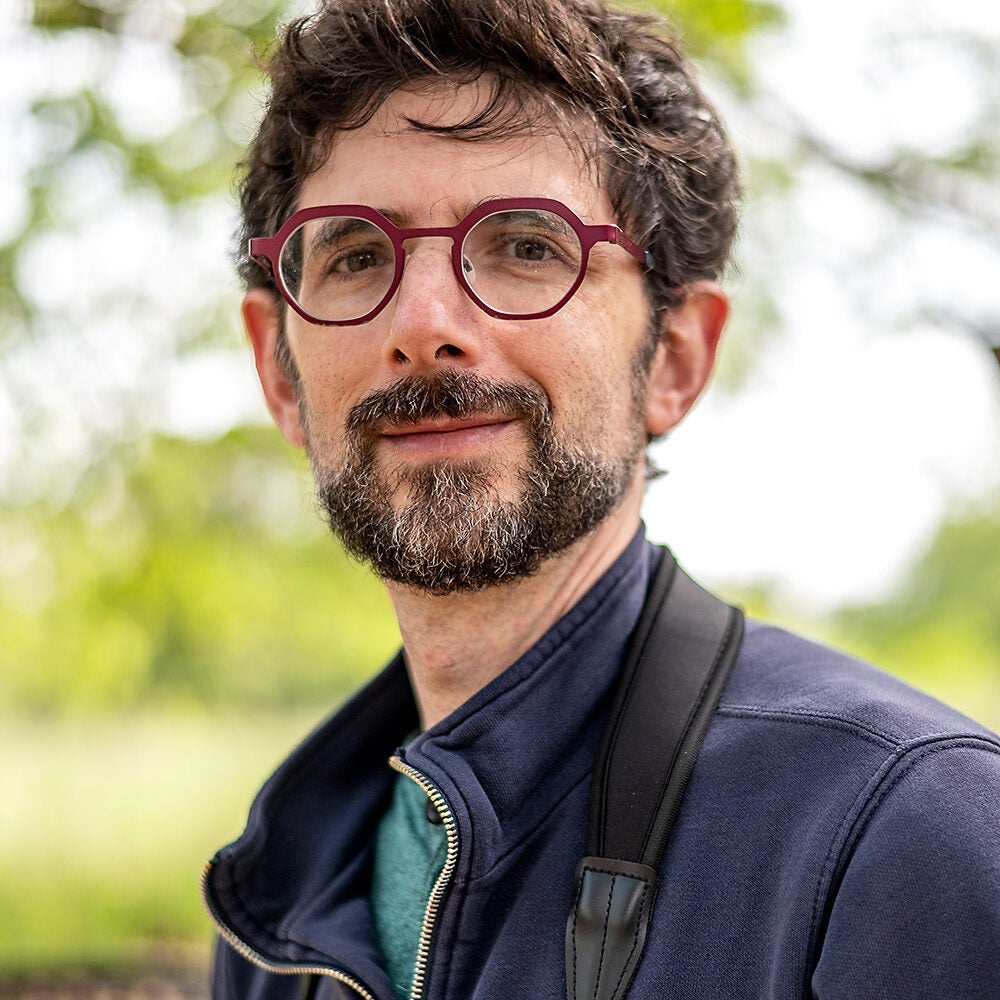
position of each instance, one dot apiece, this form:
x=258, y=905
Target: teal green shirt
x=410, y=852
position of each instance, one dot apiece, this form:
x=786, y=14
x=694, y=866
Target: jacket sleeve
x=917, y=911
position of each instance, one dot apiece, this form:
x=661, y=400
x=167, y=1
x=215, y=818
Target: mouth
x=443, y=435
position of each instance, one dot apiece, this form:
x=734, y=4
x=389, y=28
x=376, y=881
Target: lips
x=446, y=410
x=443, y=425
x=439, y=435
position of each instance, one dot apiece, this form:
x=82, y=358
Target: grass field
x=105, y=825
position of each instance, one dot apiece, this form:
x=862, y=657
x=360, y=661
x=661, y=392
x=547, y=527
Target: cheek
x=592, y=400
x=329, y=386
x=591, y=360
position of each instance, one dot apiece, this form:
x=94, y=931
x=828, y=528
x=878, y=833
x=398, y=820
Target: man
x=485, y=238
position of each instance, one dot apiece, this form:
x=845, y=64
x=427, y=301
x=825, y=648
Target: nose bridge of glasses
x=443, y=239
x=443, y=236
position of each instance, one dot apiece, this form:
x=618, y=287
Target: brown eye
x=527, y=250
x=358, y=261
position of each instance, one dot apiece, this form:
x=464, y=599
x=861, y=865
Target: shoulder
x=780, y=675
x=799, y=718
x=877, y=802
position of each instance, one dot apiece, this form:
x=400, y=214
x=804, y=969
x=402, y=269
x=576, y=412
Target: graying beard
x=457, y=534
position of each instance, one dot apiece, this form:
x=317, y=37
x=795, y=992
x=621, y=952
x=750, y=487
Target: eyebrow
x=337, y=227
x=540, y=218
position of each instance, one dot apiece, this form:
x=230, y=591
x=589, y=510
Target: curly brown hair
x=658, y=145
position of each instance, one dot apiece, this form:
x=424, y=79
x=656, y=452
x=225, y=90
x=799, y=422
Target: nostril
x=447, y=350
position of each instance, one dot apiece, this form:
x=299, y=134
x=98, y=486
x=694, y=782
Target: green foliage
x=201, y=87
x=941, y=631
x=189, y=573
x=717, y=31
x=210, y=47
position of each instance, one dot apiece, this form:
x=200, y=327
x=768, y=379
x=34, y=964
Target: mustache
x=447, y=393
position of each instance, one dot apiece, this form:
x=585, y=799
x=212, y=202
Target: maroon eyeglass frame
x=266, y=250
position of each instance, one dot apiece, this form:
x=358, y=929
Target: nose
x=432, y=322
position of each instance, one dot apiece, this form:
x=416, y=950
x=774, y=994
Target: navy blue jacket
x=839, y=838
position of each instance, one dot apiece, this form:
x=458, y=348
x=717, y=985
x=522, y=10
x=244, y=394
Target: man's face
x=452, y=449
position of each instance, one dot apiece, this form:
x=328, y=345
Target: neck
x=457, y=643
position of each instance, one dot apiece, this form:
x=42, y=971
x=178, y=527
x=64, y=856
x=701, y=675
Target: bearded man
x=484, y=244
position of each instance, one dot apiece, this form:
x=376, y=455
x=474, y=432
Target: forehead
x=403, y=160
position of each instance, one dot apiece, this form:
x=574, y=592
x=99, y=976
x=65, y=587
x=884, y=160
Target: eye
x=530, y=249
x=526, y=241
x=356, y=261
x=344, y=247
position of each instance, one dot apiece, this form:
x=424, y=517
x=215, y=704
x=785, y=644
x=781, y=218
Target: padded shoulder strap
x=676, y=666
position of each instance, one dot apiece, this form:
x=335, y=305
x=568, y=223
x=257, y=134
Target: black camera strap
x=677, y=663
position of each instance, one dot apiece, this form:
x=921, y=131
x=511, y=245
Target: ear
x=262, y=319
x=685, y=355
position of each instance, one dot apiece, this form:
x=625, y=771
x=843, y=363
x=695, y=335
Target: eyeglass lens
x=520, y=262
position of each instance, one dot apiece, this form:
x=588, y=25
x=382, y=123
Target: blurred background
x=173, y=615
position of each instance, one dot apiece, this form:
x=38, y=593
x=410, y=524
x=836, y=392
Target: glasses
x=516, y=258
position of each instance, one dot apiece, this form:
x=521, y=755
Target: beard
x=454, y=532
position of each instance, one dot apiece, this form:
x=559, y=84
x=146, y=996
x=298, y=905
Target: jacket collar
x=526, y=739
x=294, y=887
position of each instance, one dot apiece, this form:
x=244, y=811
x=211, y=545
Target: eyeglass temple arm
x=614, y=235
x=259, y=253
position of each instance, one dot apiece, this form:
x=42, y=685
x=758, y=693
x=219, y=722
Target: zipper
x=441, y=885
x=245, y=951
